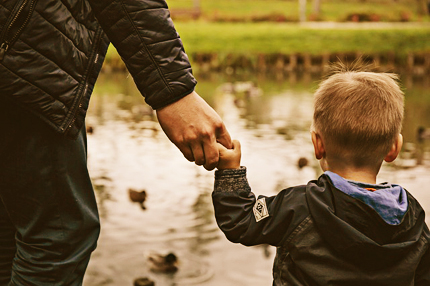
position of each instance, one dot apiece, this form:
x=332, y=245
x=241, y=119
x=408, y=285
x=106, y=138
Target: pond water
x=270, y=116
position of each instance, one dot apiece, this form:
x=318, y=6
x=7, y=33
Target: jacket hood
x=357, y=230
x=388, y=200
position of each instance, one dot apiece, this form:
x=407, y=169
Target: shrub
x=273, y=17
x=405, y=16
x=363, y=17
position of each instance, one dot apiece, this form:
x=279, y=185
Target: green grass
x=269, y=38
x=331, y=10
x=246, y=37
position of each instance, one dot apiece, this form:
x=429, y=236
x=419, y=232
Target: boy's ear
x=318, y=145
x=395, y=149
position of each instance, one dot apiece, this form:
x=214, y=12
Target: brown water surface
x=270, y=117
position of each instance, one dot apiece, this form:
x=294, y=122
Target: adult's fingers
x=211, y=155
x=198, y=153
x=186, y=151
x=223, y=137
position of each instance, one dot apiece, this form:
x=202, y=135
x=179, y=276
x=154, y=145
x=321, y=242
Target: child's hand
x=229, y=158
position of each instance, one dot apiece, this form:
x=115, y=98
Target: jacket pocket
x=15, y=24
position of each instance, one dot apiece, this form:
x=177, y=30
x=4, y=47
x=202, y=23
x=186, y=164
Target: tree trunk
x=302, y=10
x=196, y=4
x=317, y=7
x=423, y=8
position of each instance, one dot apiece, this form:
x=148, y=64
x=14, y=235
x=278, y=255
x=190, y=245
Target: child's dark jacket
x=324, y=236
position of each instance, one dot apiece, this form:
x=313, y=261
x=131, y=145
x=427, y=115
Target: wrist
x=231, y=172
x=228, y=166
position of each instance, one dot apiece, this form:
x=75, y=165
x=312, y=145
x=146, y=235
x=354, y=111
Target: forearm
x=145, y=37
x=233, y=202
x=249, y=220
x=239, y=214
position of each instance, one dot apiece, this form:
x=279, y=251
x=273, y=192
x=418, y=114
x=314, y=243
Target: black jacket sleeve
x=250, y=221
x=145, y=37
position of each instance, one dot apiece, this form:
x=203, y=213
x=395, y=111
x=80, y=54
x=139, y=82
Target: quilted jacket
x=51, y=52
x=323, y=236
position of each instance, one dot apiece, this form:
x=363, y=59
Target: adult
x=51, y=53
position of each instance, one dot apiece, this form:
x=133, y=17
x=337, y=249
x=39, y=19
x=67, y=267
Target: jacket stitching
x=173, y=99
x=5, y=8
x=81, y=91
x=155, y=8
x=186, y=68
x=50, y=60
x=105, y=8
x=146, y=49
x=164, y=41
x=77, y=21
x=57, y=29
x=149, y=86
x=28, y=82
x=425, y=240
x=123, y=40
x=140, y=51
x=298, y=228
x=113, y=24
x=279, y=269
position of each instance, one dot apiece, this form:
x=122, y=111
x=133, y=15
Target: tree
x=302, y=10
x=317, y=8
x=423, y=7
x=196, y=3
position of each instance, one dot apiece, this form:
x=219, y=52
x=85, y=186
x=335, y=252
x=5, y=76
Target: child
x=342, y=229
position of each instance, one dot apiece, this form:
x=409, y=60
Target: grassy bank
x=330, y=10
x=266, y=38
x=250, y=39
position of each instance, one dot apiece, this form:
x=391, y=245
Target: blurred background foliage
x=314, y=10
x=253, y=27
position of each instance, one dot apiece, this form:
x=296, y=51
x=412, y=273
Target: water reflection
x=270, y=115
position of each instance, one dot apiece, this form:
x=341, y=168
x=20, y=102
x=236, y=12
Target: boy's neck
x=357, y=175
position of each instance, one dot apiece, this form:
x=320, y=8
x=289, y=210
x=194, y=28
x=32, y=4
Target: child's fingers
x=236, y=145
x=221, y=147
x=224, y=151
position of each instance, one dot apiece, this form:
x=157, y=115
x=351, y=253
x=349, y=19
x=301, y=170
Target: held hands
x=229, y=158
x=195, y=128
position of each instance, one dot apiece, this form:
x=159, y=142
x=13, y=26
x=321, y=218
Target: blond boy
x=342, y=229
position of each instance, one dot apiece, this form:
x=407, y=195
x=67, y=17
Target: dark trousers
x=49, y=222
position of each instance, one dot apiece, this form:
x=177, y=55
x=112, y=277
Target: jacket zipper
x=8, y=40
x=93, y=60
x=70, y=124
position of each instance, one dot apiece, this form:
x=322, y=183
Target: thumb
x=221, y=147
x=236, y=145
x=223, y=137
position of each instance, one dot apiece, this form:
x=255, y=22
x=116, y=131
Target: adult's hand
x=195, y=128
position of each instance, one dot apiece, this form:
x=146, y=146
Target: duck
x=302, y=162
x=90, y=129
x=266, y=250
x=144, y=281
x=423, y=134
x=137, y=196
x=163, y=263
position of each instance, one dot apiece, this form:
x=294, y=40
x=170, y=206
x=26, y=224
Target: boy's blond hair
x=359, y=114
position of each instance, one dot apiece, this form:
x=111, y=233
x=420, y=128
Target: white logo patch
x=260, y=209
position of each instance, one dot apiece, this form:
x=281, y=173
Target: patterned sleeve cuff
x=231, y=180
